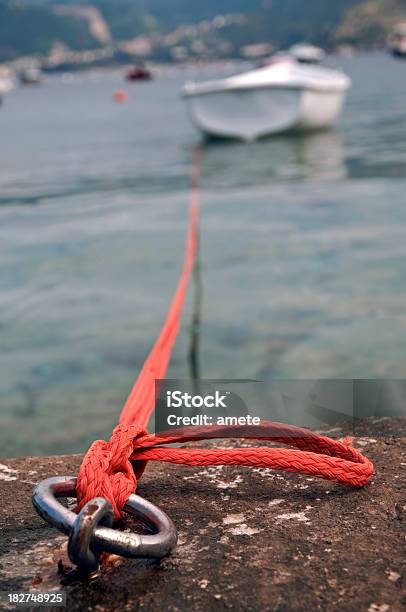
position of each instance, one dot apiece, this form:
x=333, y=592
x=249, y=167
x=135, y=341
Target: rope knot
x=106, y=470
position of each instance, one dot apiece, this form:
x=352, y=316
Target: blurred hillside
x=167, y=30
x=371, y=22
x=26, y=30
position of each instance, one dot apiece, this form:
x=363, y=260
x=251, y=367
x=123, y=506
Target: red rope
x=107, y=471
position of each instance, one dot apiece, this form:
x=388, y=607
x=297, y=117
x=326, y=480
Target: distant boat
x=31, y=76
x=397, y=40
x=307, y=54
x=138, y=73
x=283, y=96
x=6, y=81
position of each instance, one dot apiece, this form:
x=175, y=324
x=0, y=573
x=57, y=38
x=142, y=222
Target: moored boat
x=138, y=73
x=307, y=54
x=6, y=80
x=282, y=96
x=397, y=40
x=31, y=76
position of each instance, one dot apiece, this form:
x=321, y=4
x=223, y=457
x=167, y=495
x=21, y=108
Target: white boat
x=397, y=40
x=6, y=80
x=282, y=96
x=31, y=76
x=307, y=54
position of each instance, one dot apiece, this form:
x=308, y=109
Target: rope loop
x=107, y=471
x=111, y=469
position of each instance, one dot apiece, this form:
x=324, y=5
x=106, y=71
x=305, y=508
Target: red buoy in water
x=120, y=96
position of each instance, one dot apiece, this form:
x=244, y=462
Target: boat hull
x=6, y=85
x=399, y=52
x=249, y=114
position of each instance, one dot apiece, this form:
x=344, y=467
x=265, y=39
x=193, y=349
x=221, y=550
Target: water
x=302, y=247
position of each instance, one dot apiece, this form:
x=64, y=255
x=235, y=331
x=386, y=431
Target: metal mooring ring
x=81, y=548
x=90, y=531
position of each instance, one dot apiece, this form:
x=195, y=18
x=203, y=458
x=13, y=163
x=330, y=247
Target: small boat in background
x=6, y=80
x=31, y=76
x=284, y=95
x=307, y=54
x=397, y=40
x=138, y=73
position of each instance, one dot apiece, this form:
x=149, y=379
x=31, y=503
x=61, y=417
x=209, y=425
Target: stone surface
x=249, y=539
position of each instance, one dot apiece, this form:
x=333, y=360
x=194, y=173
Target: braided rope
x=111, y=469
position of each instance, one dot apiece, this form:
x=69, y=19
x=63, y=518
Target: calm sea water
x=303, y=245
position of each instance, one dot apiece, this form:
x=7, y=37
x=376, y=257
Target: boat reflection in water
x=318, y=156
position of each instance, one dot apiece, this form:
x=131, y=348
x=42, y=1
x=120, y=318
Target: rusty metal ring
x=105, y=539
